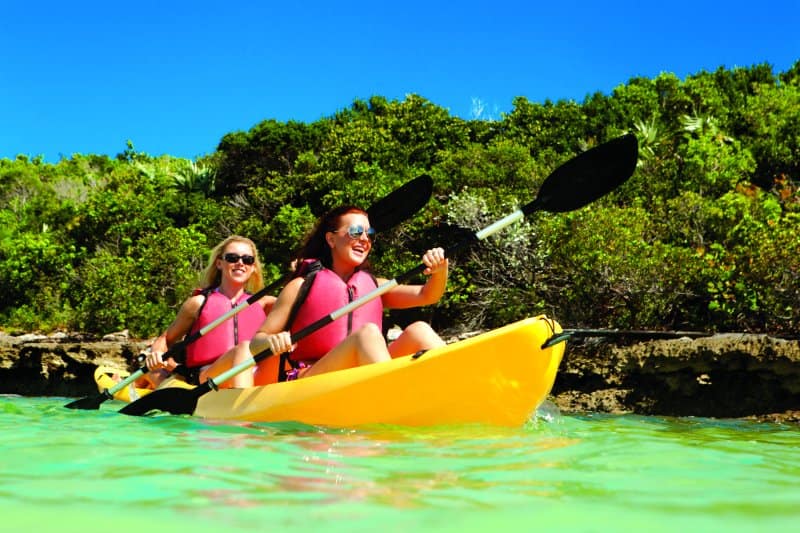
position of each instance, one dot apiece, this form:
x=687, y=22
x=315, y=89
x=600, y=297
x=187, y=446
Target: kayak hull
x=497, y=378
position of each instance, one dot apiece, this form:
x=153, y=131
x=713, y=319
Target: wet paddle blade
x=88, y=403
x=588, y=176
x=174, y=400
x=94, y=402
x=400, y=204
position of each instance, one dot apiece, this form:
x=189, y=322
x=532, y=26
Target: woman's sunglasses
x=357, y=230
x=233, y=258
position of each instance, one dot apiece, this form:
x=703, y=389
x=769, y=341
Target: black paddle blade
x=587, y=177
x=400, y=204
x=174, y=400
x=88, y=403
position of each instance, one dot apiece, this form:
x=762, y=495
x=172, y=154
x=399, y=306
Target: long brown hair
x=316, y=246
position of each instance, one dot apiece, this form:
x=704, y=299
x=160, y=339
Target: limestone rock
x=58, y=366
x=730, y=375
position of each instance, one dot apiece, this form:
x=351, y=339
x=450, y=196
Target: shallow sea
x=69, y=470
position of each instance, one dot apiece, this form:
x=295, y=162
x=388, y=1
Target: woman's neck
x=232, y=291
x=343, y=271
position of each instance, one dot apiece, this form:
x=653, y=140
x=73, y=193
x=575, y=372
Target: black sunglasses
x=246, y=259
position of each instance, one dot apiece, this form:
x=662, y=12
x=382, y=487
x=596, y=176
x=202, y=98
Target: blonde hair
x=212, y=277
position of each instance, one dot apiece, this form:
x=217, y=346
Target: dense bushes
x=704, y=235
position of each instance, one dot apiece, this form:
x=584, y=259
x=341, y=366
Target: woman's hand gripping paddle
x=396, y=207
x=581, y=180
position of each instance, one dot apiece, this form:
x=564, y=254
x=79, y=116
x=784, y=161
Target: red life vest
x=241, y=327
x=328, y=293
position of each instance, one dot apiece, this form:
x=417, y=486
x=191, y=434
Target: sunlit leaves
x=703, y=236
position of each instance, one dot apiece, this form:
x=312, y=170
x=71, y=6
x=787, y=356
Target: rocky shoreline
x=722, y=376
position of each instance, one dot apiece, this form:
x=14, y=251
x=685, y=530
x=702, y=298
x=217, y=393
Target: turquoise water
x=68, y=470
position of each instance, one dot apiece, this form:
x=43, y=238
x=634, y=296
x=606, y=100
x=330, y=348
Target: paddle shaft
x=193, y=337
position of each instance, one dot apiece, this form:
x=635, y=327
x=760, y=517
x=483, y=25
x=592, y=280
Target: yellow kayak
x=106, y=377
x=497, y=378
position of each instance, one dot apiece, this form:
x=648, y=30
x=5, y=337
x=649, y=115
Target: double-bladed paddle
x=579, y=181
x=396, y=207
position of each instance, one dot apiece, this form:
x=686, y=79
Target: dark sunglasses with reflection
x=233, y=258
x=357, y=230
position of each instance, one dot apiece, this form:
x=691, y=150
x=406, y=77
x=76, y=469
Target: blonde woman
x=233, y=273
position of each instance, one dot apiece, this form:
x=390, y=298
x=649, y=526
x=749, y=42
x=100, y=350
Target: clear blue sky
x=175, y=76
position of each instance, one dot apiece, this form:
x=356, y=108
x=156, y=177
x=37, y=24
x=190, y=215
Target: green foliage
x=560, y=126
x=772, y=269
x=395, y=136
x=269, y=147
x=141, y=290
x=703, y=236
x=713, y=163
x=285, y=233
x=613, y=259
x=498, y=170
x=770, y=124
x=195, y=177
x=33, y=264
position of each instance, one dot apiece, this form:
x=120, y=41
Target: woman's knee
x=422, y=333
x=370, y=344
x=369, y=332
x=419, y=327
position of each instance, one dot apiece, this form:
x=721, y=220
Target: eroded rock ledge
x=725, y=376
x=730, y=375
x=60, y=364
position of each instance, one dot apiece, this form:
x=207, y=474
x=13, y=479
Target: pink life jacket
x=241, y=327
x=328, y=293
